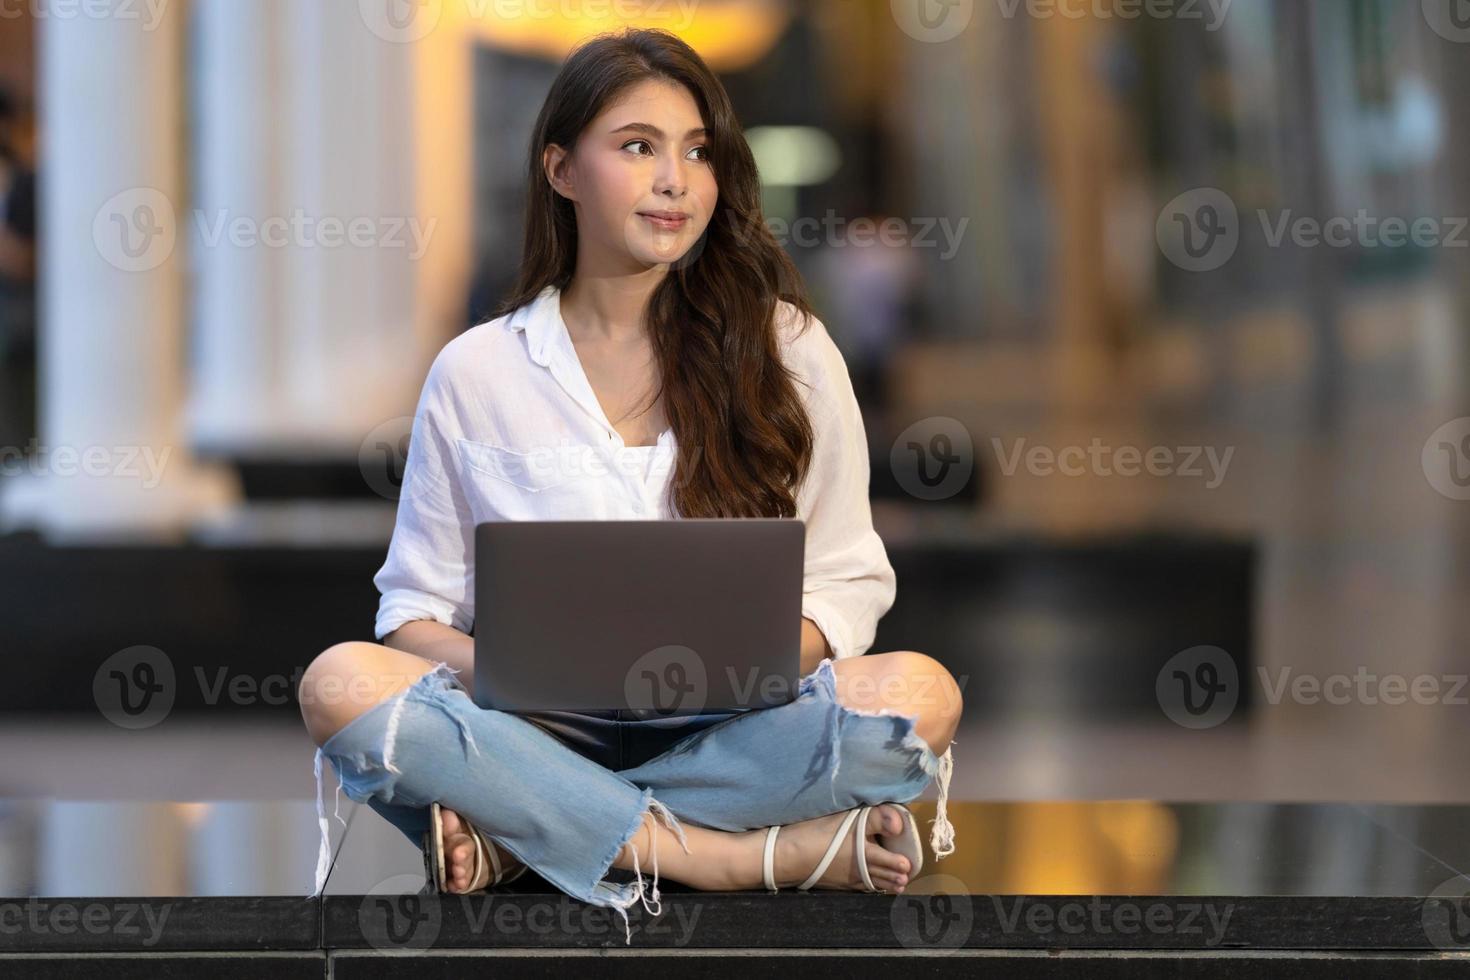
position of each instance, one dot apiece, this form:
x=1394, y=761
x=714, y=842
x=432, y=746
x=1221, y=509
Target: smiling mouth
x=669, y=224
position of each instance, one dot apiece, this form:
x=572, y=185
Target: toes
x=884, y=860
x=460, y=857
x=884, y=820
x=888, y=881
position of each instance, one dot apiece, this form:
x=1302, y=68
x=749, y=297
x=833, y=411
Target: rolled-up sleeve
x=848, y=583
x=429, y=571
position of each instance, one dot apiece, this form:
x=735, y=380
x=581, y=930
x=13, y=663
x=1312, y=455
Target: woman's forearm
x=435, y=641
x=814, y=648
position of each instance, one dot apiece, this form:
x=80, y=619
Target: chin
x=667, y=256
x=678, y=250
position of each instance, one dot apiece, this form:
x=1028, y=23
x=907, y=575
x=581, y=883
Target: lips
x=666, y=220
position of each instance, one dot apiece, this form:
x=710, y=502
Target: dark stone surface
x=164, y=966
x=1163, y=887
x=1012, y=966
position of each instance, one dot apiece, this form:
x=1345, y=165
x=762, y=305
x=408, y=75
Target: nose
x=669, y=177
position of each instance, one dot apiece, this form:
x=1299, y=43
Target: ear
x=556, y=163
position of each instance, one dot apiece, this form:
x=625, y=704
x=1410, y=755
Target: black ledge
x=1128, y=888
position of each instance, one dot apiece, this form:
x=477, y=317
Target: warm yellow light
x=729, y=35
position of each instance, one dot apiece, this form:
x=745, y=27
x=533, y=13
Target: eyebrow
x=640, y=127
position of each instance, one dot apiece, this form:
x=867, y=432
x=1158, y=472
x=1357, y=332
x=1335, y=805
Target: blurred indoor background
x=1156, y=312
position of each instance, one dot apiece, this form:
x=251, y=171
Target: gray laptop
x=665, y=618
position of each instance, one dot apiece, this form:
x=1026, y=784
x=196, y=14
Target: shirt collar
x=540, y=319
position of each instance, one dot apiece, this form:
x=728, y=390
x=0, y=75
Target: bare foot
x=459, y=856
x=800, y=846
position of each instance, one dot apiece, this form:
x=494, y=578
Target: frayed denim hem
x=620, y=897
x=431, y=686
x=940, y=768
x=438, y=678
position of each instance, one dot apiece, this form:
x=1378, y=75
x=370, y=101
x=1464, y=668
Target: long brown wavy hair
x=744, y=438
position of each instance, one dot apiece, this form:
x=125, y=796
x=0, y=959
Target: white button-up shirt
x=508, y=428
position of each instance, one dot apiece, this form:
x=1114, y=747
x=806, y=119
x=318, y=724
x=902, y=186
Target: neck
x=609, y=307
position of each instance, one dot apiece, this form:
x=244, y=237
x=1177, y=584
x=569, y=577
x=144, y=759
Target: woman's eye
x=636, y=143
x=704, y=150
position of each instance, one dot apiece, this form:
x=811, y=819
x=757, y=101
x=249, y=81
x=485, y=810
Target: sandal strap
x=479, y=859
x=832, y=850
x=494, y=861
x=436, y=848
x=768, y=859
x=860, y=845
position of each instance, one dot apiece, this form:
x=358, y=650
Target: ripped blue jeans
x=567, y=817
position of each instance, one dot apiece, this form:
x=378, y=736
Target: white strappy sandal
x=434, y=855
x=905, y=842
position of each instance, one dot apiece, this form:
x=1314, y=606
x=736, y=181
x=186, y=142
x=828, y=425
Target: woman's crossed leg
x=390, y=723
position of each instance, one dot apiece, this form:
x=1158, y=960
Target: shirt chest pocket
x=539, y=484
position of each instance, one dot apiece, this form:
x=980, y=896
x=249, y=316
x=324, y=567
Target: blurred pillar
x=312, y=323
x=1076, y=136
x=110, y=352
x=237, y=394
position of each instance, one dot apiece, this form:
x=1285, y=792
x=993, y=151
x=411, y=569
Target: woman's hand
x=435, y=641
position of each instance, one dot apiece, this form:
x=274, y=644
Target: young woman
x=657, y=358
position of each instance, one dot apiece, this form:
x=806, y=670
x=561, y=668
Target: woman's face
x=645, y=153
